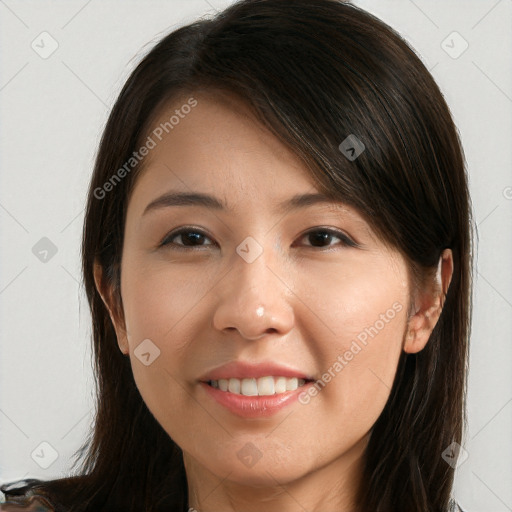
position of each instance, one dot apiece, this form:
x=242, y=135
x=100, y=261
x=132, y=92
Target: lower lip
x=254, y=406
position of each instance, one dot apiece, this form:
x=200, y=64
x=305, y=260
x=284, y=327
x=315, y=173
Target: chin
x=262, y=473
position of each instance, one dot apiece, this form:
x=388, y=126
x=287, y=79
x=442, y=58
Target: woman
x=243, y=359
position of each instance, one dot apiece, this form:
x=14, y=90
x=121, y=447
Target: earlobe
x=105, y=291
x=429, y=306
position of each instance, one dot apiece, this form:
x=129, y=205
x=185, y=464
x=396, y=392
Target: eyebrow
x=171, y=199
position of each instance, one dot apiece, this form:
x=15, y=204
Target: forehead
x=218, y=123
x=219, y=145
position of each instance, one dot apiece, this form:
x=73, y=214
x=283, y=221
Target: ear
x=114, y=309
x=429, y=305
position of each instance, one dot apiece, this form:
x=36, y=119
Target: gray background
x=53, y=111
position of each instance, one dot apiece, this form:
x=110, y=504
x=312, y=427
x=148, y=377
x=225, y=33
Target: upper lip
x=243, y=369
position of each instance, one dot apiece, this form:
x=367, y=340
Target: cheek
x=361, y=320
x=160, y=302
x=160, y=305
x=356, y=301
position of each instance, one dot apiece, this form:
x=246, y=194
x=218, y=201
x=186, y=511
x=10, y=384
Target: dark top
x=19, y=495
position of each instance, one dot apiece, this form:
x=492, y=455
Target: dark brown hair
x=313, y=72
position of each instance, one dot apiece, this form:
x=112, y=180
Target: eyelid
x=181, y=230
x=339, y=233
x=346, y=240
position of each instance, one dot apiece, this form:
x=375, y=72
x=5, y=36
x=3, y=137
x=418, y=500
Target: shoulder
x=34, y=505
x=22, y=495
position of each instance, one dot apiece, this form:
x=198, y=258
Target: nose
x=254, y=299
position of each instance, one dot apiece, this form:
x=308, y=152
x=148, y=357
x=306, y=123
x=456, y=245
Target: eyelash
x=345, y=240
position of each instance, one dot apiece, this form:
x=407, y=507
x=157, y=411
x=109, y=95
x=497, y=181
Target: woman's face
x=309, y=288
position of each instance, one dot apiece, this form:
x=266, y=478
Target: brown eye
x=190, y=239
x=320, y=238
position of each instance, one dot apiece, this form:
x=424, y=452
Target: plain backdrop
x=53, y=109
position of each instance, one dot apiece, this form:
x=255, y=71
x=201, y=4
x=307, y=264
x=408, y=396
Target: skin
x=202, y=307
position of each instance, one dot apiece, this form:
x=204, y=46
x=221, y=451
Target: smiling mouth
x=263, y=386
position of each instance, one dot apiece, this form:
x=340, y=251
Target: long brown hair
x=314, y=72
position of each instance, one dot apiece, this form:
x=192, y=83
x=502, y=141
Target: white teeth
x=264, y=386
x=234, y=386
x=292, y=384
x=280, y=385
x=249, y=387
